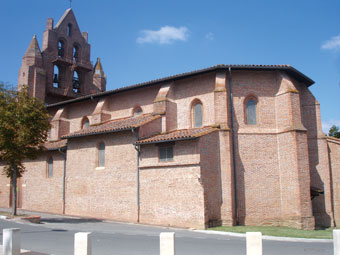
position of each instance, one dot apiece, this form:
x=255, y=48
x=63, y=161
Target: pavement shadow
x=32, y=253
x=69, y=220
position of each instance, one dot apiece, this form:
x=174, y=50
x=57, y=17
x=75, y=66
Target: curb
x=269, y=238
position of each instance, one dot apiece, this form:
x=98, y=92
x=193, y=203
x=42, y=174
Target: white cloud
x=209, y=36
x=332, y=44
x=326, y=125
x=165, y=35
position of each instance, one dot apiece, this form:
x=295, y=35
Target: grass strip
x=279, y=231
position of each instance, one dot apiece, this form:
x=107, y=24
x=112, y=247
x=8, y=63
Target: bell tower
x=62, y=70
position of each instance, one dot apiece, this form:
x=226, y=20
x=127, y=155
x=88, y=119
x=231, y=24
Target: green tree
x=334, y=131
x=23, y=130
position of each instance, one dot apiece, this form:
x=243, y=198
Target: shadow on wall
x=240, y=179
x=309, y=120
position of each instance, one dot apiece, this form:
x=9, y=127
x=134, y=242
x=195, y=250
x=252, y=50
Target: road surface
x=56, y=236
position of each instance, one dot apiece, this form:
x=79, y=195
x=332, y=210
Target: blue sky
x=139, y=40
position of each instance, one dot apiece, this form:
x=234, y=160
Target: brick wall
x=272, y=167
x=108, y=192
x=40, y=192
x=4, y=187
x=318, y=158
x=172, y=193
x=334, y=156
x=200, y=87
x=210, y=177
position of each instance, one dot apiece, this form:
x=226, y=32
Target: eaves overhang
x=96, y=133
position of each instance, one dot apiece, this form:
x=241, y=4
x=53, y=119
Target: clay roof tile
x=114, y=126
x=182, y=134
x=55, y=145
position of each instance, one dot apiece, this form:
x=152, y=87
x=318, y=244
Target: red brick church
x=225, y=145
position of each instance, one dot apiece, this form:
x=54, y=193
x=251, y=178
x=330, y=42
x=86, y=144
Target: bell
x=55, y=79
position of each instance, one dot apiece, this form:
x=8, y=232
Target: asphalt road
x=56, y=236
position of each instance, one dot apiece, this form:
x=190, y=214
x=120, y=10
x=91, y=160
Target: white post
x=167, y=243
x=11, y=241
x=82, y=243
x=336, y=241
x=254, y=243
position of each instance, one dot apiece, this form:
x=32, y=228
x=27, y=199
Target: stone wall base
x=228, y=223
x=306, y=223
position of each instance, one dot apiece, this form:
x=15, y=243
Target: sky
x=138, y=41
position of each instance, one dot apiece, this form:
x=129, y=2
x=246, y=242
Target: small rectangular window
x=101, y=155
x=50, y=168
x=166, y=153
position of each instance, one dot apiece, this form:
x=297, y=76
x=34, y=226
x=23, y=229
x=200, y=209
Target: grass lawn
x=279, y=231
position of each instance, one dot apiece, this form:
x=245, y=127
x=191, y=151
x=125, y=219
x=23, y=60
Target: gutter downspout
x=233, y=147
x=64, y=177
x=137, y=148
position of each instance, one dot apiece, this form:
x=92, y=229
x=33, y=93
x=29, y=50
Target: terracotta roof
x=289, y=69
x=33, y=49
x=55, y=145
x=333, y=139
x=115, y=126
x=182, y=134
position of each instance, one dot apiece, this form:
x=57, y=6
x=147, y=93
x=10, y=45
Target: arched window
x=56, y=76
x=69, y=29
x=197, y=114
x=76, y=82
x=137, y=111
x=50, y=167
x=75, y=53
x=61, y=48
x=250, y=111
x=85, y=123
x=101, y=154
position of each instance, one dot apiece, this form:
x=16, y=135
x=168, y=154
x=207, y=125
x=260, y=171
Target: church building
x=224, y=145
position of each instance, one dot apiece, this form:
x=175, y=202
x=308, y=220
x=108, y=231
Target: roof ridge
x=63, y=17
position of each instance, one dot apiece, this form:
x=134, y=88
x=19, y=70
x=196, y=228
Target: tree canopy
x=334, y=131
x=23, y=128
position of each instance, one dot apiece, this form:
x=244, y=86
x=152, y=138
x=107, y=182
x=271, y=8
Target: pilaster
x=165, y=106
x=101, y=112
x=296, y=209
x=60, y=125
x=225, y=151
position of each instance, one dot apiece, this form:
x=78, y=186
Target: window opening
x=166, y=153
x=75, y=53
x=76, y=82
x=49, y=134
x=85, y=123
x=56, y=76
x=198, y=118
x=61, y=49
x=101, y=154
x=69, y=29
x=137, y=111
x=251, y=112
x=50, y=167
